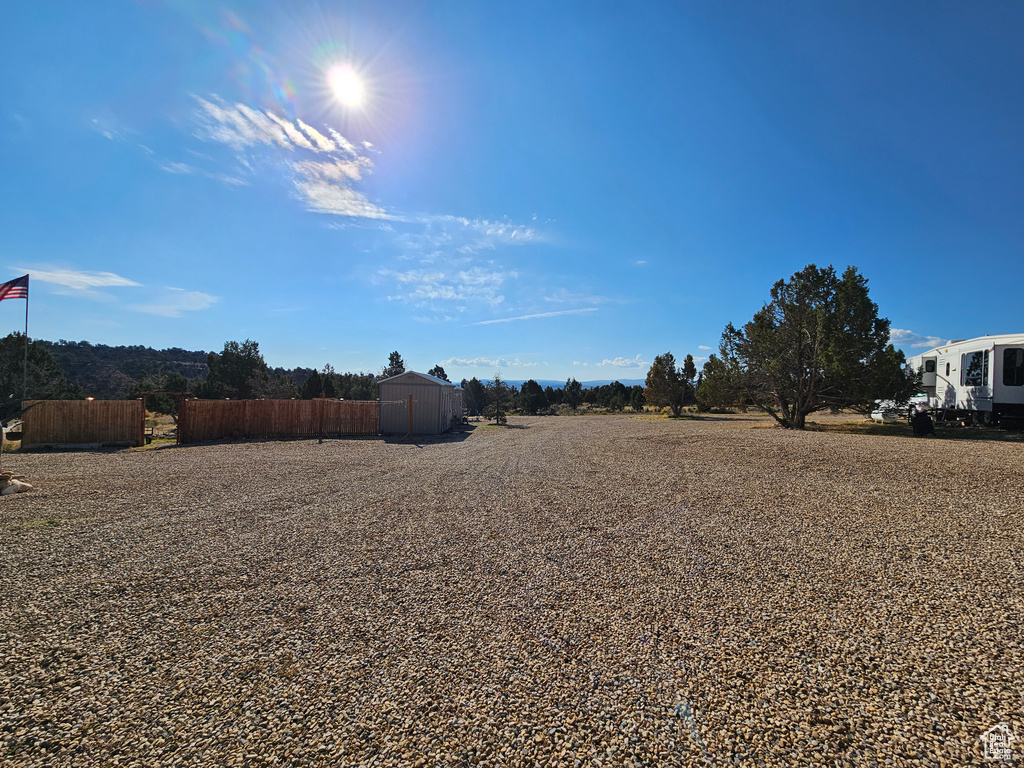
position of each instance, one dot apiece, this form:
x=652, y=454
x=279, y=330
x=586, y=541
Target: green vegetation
x=671, y=386
x=46, y=380
x=500, y=397
x=818, y=343
x=395, y=366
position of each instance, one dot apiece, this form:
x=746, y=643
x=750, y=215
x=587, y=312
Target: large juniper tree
x=818, y=343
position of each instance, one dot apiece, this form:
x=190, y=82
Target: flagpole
x=24, y=393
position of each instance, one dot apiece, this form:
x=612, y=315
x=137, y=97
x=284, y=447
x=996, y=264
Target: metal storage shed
x=436, y=404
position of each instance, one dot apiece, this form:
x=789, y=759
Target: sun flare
x=347, y=85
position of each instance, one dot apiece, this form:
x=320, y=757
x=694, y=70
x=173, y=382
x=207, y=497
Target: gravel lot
x=567, y=591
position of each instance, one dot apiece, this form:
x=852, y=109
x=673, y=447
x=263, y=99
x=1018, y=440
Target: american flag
x=15, y=289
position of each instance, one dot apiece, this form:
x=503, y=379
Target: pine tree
x=818, y=343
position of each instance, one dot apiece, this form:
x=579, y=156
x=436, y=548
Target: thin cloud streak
x=79, y=280
x=537, y=316
x=169, y=302
x=174, y=301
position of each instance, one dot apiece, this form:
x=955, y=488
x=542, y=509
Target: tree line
x=819, y=342
x=497, y=396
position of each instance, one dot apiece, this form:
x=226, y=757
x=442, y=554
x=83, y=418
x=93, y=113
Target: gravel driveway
x=566, y=591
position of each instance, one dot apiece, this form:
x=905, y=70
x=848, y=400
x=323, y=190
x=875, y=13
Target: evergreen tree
x=239, y=372
x=714, y=389
x=46, y=380
x=395, y=366
x=818, y=343
x=357, y=386
x=636, y=398
x=474, y=396
x=313, y=387
x=280, y=387
x=689, y=376
x=572, y=394
x=531, y=397
x=666, y=384
x=499, y=399
x=167, y=387
x=330, y=382
x=438, y=372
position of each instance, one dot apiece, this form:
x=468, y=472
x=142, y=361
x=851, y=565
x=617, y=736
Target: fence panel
x=203, y=420
x=54, y=422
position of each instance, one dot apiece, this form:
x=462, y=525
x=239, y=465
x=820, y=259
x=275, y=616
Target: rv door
x=928, y=371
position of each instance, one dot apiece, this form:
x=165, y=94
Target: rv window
x=929, y=366
x=947, y=369
x=974, y=369
x=1013, y=367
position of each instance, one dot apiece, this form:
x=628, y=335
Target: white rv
x=979, y=378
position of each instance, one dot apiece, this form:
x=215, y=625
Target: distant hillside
x=558, y=384
x=107, y=373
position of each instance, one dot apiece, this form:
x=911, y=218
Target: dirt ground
x=602, y=590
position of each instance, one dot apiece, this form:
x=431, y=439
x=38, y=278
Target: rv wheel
x=987, y=418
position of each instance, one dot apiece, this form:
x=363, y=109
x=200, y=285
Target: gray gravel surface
x=566, y=591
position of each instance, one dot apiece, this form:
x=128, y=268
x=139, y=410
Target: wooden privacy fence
x=54, y=422
x=201, y=420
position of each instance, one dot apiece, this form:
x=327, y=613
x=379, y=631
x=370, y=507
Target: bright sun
x=346, y=85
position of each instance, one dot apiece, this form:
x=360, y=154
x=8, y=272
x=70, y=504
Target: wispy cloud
x=79, y=280
x=902, y=338
x=488, y=362
x=457, y=238
x=327, y=172
x=323, y=196
x=424, y=285
x=537, y=316
x=703, y=348
x=168, y=302
x=324, y=168
x=238, y=125
x=186, y=169
x=562, y=296
x=173, y=301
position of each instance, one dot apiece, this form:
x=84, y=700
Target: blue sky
x=542, y=189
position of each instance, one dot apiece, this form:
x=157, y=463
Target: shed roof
x=426, y=379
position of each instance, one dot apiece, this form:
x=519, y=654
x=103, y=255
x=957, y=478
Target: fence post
x=142, y=425
x=179, y=436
